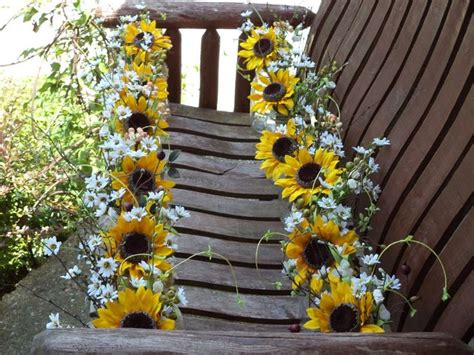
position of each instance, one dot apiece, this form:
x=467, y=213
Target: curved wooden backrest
x=409, y=78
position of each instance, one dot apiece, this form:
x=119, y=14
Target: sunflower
x=311, y=245
x=144, y=38
x=139, y=177
x=143, y=116
x=340, y=311
x=273, y=148
x=303, y=174
x=274, y=92
x=259, y=49
x=128, y=242
x=140, y=309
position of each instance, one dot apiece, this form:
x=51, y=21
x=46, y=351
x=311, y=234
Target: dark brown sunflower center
x=263, y=47
x=317, y=254
x=306, y=175
x=274, y=92
x=143, y=38
x=138, y=120
x=344, y=318
x=135, y=243
x=142, y=181
x=283, y=146
x=138, y=320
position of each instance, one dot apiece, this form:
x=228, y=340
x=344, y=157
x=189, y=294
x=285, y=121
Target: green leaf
x=103, y=67
x=29, y=13
x=408, y=239
x=412, y=312
x=446, y=295
x=174, y=155
x=55, y=66
x=173, y=173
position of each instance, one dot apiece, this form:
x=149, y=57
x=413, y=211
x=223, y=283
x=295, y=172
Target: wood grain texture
x=174, y=66
x=240, y=208
x=187, y=14
x=409, y=77
x=208, y=115
x=227, y=227
x=141, y=341
x=209, y=73
x=242, y=83
x=243, y=187
x=217, y=275
x=210, y=146
x=212, y=130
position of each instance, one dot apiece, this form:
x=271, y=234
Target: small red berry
x=405, y=268
x=161, y=155
x=294, y=328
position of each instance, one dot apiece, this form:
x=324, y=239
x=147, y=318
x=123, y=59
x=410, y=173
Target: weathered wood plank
x=429, y=181
x=214, y=275
x=200, y=323
x=220, y=166
x=457, y=317
x=208, y=115
x=254, y=308
x=226, y=185
x=209, y=72
x=202, y=15
x=174, y=66
x=210, y=146
x=212, y=130
x=456, y=256
x=242, y=85
x=144, y=341
x=227, y=228
x=230, y=206
x=269, y=255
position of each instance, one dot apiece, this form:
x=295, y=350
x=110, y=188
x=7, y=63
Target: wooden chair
x=408, y=78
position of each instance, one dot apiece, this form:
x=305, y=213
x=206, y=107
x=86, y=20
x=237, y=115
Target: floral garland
x=302, y=152
x=129, y=250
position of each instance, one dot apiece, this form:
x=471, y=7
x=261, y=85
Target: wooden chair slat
x=389, y=35
x=242, y=85
x=228, y=186
x=434, y=229
x=201, y=14
x=209, y=69
x=433, y=178
x=212, y=130
x=209, y=146
x=252, y=340
x=269, y=255
x=245, y=230
x=201, y=272
x=457, y=317
x=200, y=323
x=255, y=308
x=208, y=115
x=335, y=13
x=230, y=206
x=456, y=255
x=409, y=77
x=174, y=66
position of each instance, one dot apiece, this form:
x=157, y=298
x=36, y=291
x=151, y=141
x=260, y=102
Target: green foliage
x=47, y=129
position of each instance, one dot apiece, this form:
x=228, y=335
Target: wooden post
x=242, y=85
x=209, y=69
x=174, y=66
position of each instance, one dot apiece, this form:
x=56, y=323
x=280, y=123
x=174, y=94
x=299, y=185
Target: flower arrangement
x=327, y=256
x=129, y=241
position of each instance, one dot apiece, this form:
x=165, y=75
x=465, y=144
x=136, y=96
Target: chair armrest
x=186, y=14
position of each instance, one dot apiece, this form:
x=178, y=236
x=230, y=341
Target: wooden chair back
x=409, y=78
